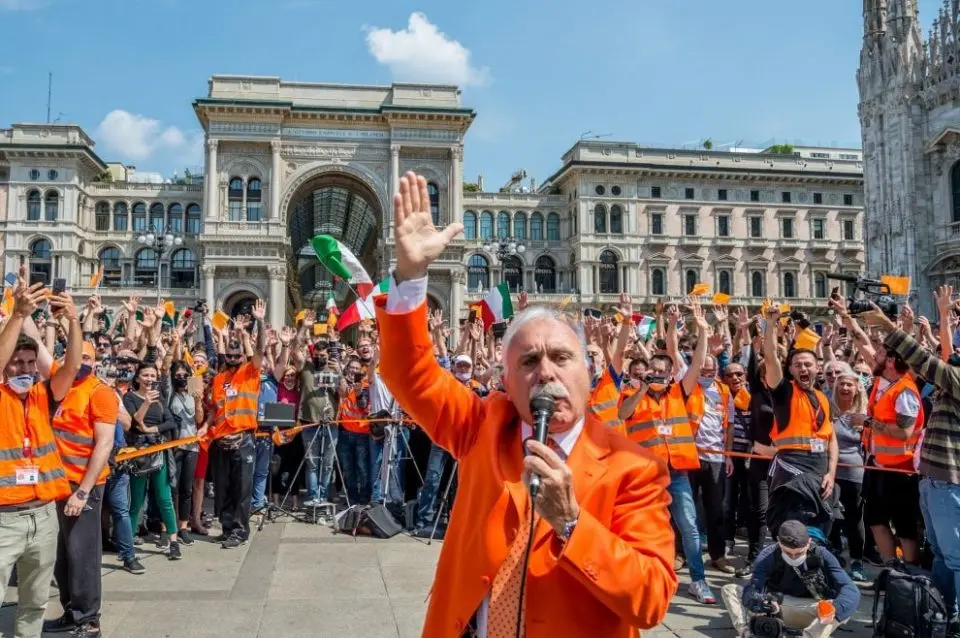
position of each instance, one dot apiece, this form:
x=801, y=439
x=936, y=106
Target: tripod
x=393, y=455
x=444, y=500
x=271, y=511
x=324, y=441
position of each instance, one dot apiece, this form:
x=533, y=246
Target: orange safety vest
x=235, y=396
x=26, y=441
x=802, y=432
x=73, y=429
x=697, y=405
x=663, y=426
x=604, y=400
x=352, y=418
x=887, y=450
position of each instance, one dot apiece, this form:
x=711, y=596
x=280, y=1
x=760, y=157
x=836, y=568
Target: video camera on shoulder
x=767, y=623
x=874, y=291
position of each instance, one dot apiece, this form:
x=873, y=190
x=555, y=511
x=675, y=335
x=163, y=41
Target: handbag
x=143, y=465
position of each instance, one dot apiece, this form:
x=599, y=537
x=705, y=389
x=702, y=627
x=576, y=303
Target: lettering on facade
x=439, y=135
x=244, y=128
x=335, y=134
x=337, y=152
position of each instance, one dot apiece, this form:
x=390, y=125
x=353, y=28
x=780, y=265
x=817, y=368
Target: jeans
x=736, y=498
x=261, y=470
x=79, y=554
x=852, y=500
x=186, y=468
x=354, y=452
x=116, y=496
x=29, y=541
x=759, y=496
x=319, y=446
x=233, y=480
x=940, y=506
x=427, y=501
x=683, y=509
x=378, y=469
x=709, y=482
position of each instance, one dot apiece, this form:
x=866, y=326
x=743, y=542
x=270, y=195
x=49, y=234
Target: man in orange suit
x=598, y=558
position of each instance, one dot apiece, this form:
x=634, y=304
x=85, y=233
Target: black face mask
x=320, y=363
x=84, y=372
x=357, y=377
x=180, y=383
x=125, y=376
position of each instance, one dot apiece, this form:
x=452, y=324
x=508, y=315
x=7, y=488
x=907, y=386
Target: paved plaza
x=295, y=579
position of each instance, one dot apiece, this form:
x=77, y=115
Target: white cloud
x=422, y=53
x=22, y=5
x=137, y=137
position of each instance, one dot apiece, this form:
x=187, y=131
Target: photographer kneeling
x=790, y=581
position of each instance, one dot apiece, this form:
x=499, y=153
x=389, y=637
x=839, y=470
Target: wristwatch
x=82, y=495
x=567, y=530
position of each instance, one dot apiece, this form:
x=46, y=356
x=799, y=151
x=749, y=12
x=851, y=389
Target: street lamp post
x=504, y=247
x=160, y=242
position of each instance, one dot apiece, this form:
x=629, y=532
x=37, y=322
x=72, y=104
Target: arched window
x=175, y=218
x=616, y=219
x=183, y=269
x=486, y=225
x=756, y=284
x=51, y=204
x=545, y=275
x=194, y=219
x=33, y=206
x=235, y=199
x=536, y=227
x=120, y=216
x=789, y=285
x=469, y=225
x=478, y=273
x=503, y=224
x=254, y=200
x=156, y=217
x=112, y=273
x=513, y=273
x=102, y=218
x=600, y=219
x=139, y=217
x=41, y=262
x=553, y=227
x=724, y=284
x=434, y=194
x=955, y=187
x=609, y=273
x=520, y=226
x=692, y=279
x=658, y=283
x=820, y=285
x=145, y=267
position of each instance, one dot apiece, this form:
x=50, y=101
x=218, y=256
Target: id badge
x=817, y=446
x=29, y=475
x=231, y=393
x=665, y=430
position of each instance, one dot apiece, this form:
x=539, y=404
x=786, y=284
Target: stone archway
x=340, y=204
x=239, y=303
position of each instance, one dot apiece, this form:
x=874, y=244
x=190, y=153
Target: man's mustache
x=554, y=389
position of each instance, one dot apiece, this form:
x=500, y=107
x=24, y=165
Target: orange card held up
x=721, y=299
x=319, y=329
x=699, y=290
x=170, y=309
x=806, y=339
x=300, y=316
x=899, y=286
x=220, y=320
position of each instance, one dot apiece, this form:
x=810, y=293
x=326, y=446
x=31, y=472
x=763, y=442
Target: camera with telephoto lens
x=766, y=623
x=874, y=292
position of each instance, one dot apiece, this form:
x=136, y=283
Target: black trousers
x=736, y=497
x=233, y=484
x=79, y=554
x=186, y=467
x=759, y=495
x=709, y=482
x=851, y=497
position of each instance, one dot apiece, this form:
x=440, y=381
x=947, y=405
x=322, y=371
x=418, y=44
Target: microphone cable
x=526, y=565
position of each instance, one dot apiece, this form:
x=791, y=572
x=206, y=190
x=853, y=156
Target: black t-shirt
x=157, y=415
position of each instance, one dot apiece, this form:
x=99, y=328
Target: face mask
x=124, y=376
x=656, y=384
x=794, y=562
x=179, y=383
x=866, y=380
x=319, y=363
x=84, y=371
x=21, y=383
x=357, y=377
x=464, y=376
x=705, y=382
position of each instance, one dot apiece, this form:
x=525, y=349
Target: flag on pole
x=496, y=306
x=362, y=308
x=340, y=261
x=645, y=327
x=96, y=277
x=300, y=316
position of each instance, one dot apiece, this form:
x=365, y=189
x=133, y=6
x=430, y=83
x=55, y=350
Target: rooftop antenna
x=49, y=93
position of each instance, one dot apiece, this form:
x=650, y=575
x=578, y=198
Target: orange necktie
x=505, y=593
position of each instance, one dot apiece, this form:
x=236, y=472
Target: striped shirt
x=940, y=453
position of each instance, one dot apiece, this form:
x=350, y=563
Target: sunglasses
x=733, y=374
x=233, y=356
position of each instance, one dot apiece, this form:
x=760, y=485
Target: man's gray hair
x=540, y=313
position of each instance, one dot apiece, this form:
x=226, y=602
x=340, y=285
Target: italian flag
x=362, y=308
x=338, y=259
x=496, y=306
x=646, y=327
x=332, y=311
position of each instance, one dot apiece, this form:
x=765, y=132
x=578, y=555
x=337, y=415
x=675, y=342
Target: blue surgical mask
x=22, y=383
x=705, y=382
x=866, y=380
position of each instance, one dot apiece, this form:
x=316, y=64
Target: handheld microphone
x=542, y=406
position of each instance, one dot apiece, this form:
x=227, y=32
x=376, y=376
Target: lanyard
x=27, y=449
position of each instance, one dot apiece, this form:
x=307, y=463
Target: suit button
x=512, y=534
x=485, y=580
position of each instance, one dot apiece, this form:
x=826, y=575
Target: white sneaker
x=700, y=590
x=312, y=503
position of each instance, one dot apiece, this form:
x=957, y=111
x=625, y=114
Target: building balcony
x=691, y=240
x=657, y=240
x=788, y=242
x=820, y=245
x=727, y=241
x=216, y=230
x=145, y=288
x=948, y=236
x=854, y=244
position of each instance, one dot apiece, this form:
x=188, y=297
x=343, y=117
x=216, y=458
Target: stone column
x=208, y=290
x=275, y=180
x=457, y=280
x=210, y=181
x=277, y=304
x=394, y=187
x=456, y=185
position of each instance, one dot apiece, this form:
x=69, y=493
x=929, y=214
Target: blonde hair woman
x=848, y=409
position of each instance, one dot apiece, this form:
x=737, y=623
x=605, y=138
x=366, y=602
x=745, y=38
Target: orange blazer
x=614, y=575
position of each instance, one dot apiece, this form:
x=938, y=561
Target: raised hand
x=131, y=305
x=720, y=313
x=944, y=298
x=699, y=317
x=673, y=315
x=523, y=300
x=259, y=311
x=309, y=319
x=435, y=321
x=240, y=322
x=626, y=306
x=287, y=335
x=418, y=241
x=26, y=299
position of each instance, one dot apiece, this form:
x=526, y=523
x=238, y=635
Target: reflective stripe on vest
x=677, y=448
x=238, y=411
x=29, y=420
x=74, y=430
x=890, y=451
x=351, y=416
x=802, y=429
x=605, y=399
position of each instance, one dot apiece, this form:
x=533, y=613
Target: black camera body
x=766, y=626
x=874, y=291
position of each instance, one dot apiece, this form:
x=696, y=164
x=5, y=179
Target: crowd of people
x=849, y=424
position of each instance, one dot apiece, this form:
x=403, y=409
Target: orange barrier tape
x=750, y=455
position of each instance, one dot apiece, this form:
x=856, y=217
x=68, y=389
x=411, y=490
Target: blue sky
x=538, y=73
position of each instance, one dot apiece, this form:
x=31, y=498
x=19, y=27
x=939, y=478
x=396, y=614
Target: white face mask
x=794, y=562
x=464, y=376
x=21, y=383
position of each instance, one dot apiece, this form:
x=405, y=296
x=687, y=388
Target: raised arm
x=773, y=374
x=260, y=314
x=692, y=375
x=25, y=302
x=63, y=378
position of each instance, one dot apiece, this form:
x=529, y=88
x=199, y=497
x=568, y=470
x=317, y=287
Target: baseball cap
x=793, y=535
x=462, y=358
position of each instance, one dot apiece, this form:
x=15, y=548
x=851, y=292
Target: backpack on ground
x=911, y=606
